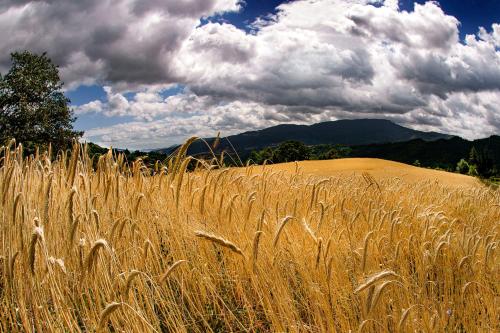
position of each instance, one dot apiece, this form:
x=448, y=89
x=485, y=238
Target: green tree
x=473, y=170
x=290, y=151
x=329, y=152
x=481, y=163
x=258, y=157
x=473, y=156
x=33, y=108
x=463, y=166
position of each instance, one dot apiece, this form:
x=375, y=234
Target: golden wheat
x=219, y=240
x=370, y=252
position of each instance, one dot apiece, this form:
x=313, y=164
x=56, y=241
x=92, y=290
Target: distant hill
x=364, y=138
x=344, y=132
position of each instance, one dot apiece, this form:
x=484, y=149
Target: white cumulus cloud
x=313, y=60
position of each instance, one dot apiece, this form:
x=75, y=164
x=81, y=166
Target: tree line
x=478, y=164
x=290, y=151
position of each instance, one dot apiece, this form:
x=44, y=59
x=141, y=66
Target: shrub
x=463, y=167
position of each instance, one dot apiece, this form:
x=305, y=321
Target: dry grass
x=280, y=250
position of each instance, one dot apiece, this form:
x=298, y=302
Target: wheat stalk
x=318, y=252
x=169, y=271
x=280, y=229
x=92, y=256
x=404, y=317
x=11, y=266
x=130, y=279
x=108, y=310
x=255, y=248
x=365, y=250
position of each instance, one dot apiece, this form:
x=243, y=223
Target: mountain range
x=344, y=132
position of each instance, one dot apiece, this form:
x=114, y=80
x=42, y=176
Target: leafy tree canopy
x=463, y=167
x=290, y=151
x=33, y=108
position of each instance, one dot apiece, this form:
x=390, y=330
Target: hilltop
x=378, y=168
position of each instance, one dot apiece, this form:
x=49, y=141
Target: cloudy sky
x=148, y=74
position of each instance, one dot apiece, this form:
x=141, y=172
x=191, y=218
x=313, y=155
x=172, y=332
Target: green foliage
x=481, y=163
x=473, y=156
x=259, y=157
x=329, y=152
x=442, y=154
x=33, y=108
x=473, y=170
x=290, y=151
x=463, y=167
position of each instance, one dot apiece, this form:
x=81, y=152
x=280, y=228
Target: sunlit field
x=379, y=169
x=123, y=248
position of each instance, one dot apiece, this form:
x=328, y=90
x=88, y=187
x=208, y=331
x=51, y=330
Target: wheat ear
x=36, y=236
x=219, y=240
x=372, y=279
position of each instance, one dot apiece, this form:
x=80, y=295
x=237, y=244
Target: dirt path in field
x=380, y=169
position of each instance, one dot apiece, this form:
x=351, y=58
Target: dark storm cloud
x=186, y=8
x=129, y=43
x=436, y=74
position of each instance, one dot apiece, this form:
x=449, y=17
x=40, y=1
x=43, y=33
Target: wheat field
x=119, y=247
x=378, y=168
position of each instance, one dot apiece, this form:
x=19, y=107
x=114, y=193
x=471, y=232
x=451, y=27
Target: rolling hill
x=378, y=168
